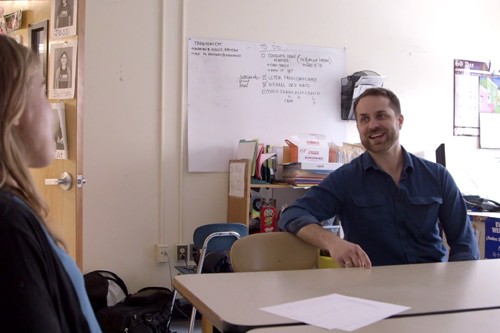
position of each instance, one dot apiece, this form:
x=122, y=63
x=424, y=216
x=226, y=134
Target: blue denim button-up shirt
x=393, y=224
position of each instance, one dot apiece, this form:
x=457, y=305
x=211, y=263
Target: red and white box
x=308, y=148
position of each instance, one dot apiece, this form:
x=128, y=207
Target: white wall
x=122, y=126
x=135, y=159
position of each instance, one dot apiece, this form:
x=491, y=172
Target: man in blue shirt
x=388, y=200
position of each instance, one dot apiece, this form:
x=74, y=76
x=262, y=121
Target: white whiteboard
x=265, y=91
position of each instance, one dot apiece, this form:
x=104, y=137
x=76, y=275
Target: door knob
x=65, y=181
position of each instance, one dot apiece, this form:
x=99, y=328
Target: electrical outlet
x=182, y=252
x=161, y=253
x=192, y=252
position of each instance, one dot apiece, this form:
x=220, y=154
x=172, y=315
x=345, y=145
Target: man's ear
x=401, y=120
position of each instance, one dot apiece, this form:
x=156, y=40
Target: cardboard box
x=487, y=229
x=307, y=148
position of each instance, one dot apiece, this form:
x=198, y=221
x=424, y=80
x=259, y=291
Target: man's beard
x=390, y=137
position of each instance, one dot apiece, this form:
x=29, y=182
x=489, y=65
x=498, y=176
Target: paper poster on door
x=62, y=70
x=63, y=16
x=60, y=131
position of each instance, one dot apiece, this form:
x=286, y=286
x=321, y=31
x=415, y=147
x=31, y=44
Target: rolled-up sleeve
x=318, y=204
x=293, y=219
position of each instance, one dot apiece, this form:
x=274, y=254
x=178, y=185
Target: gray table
x=231, y=301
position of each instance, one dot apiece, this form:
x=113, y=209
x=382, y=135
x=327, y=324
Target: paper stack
x=307, y=174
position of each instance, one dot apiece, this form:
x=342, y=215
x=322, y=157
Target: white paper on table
x=336, y=311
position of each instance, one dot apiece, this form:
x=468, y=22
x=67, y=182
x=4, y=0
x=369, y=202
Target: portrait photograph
x=63, y=15
x=60, y=135
x=13, y=21
x=62, y=70
x=3, y=28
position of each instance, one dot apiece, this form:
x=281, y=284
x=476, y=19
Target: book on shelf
x=261, y=157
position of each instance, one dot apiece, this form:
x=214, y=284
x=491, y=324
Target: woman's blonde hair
x=17, y=67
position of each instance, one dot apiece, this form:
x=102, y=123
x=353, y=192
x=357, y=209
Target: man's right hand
x=348, y=254
x=345, y=253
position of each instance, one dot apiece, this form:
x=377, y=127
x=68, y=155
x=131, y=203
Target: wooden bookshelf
x=238, y=200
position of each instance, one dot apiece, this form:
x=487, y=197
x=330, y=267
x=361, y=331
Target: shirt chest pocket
x=424, y=211
x=424, y=201
x=371, y=212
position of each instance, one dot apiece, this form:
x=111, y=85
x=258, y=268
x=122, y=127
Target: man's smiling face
x=377, y=123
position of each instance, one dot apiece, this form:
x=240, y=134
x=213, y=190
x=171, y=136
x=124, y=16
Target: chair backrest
x=216, y=237
x=272, y=251
x=218, y=243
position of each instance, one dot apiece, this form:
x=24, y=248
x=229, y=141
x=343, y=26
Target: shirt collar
x=369, y=163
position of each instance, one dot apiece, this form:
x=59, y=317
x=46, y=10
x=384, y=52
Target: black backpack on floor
x=104, y=289
x=146, y=311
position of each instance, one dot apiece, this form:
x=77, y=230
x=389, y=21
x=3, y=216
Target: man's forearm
x=316, y=235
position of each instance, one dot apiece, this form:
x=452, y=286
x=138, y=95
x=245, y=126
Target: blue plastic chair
x=216, y=237
x=211, y=238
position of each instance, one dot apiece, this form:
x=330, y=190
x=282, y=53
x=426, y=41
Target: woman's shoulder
x=13, y=210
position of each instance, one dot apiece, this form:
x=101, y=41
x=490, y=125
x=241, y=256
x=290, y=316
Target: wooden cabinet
x=239, y=193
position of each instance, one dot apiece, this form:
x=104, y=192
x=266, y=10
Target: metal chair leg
x=192, y=320
x=174, y=296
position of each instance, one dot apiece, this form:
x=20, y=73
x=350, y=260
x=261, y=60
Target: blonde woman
x=41, y=288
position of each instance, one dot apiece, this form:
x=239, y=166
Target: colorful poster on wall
x=467, y=98
x=476, y=92
x=492, y=238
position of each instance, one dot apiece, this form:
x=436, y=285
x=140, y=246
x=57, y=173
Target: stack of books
x=307, y=174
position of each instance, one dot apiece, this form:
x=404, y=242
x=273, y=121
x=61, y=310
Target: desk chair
x=272, y=251
x=211, y=238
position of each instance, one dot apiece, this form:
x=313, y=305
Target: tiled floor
x=181, y=316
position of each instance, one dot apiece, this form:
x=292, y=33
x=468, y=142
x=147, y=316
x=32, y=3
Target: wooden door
x=63, y=205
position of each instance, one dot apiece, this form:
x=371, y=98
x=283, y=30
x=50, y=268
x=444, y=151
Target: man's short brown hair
x=393, y=99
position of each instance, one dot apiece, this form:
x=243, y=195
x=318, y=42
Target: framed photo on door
x=62, y=70
x=63, y=14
